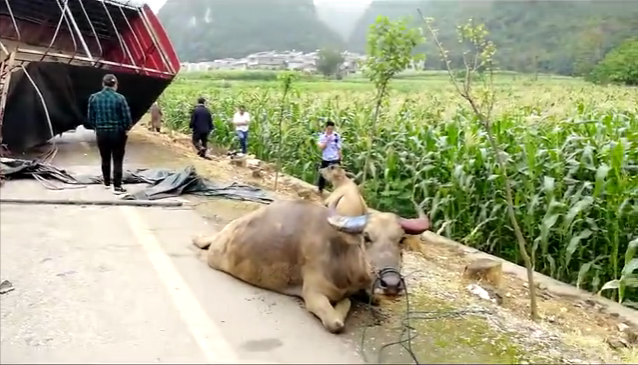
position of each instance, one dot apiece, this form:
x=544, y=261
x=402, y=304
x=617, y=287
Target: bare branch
x=484, y=114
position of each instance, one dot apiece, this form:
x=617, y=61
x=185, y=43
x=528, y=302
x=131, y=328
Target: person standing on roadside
x=202, y=126
x=156, y=117
x=109, y=115
x=241, y=121
x=330, y=145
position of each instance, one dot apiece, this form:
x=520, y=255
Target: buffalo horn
x=415, y=225
x=346, y=224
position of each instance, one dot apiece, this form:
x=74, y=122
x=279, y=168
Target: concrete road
x=123, y=284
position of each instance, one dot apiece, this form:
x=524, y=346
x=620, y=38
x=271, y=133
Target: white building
x=272, y=60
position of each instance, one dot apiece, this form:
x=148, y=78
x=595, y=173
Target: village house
x=272, y=60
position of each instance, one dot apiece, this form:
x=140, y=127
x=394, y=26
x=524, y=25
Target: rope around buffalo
x=406, y=326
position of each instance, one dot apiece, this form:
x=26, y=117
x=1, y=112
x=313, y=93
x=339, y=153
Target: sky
x=157, y=4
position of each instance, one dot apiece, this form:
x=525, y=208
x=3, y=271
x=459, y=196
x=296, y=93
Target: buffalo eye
x=366, y=238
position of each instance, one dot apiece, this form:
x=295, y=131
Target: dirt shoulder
x=573, y=329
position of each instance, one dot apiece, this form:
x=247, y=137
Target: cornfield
x=572, y=153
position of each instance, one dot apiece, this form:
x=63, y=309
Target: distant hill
x=211, y=29
x=341, y=17
x=559, y=36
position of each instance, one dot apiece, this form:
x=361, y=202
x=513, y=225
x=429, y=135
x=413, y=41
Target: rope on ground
x=135, y=203
x=47, y=158
x=49, y=185
x=408, y=332
x=49, y=155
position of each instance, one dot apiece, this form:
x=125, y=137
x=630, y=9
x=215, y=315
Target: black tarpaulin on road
x=164, y=183
x=65, y=89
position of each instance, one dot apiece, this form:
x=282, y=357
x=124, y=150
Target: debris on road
x=6, y=286
x=479, y=292
x=164, y=183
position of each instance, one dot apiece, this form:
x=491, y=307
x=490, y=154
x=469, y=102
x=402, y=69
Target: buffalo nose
x=391, y=285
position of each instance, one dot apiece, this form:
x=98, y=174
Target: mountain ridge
x=563, y=37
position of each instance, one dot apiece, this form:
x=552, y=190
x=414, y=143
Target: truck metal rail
x=54, y=52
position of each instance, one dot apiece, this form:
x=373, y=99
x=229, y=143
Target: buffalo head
x=334, y=174
x=383, y=237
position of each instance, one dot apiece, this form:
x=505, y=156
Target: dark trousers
x=243, y=140
x=112, y=146
x=322, y=182
x=200, y=141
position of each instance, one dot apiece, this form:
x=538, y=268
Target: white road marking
x=208, y=336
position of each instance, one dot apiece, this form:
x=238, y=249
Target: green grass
x=572, y=152
x=409, y=81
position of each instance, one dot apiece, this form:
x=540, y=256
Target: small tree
x=329, y=62
x=619, y=66
x=481, y=101
x=390, y=47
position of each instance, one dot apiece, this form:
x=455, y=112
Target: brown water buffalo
x=384, y=235
x=351, y=202
x=299, y=248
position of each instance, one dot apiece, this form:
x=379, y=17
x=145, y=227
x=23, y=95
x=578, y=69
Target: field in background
x=572, y=149
x=404, y=82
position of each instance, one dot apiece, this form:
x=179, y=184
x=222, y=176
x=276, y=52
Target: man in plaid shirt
x=109, y=115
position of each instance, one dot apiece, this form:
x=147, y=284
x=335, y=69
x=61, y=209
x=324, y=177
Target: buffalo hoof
x=335, y=326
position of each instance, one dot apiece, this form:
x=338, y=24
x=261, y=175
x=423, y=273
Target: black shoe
x=107, y=186
x=119, y=190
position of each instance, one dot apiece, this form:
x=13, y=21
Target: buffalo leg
x=320, y=306
x=202, y=242
x=343, y=308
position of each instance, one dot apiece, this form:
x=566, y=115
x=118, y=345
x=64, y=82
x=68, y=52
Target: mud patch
x=433, y=332
x=263, y=345
x=440, y=322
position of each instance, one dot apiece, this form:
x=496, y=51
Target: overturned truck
x=54, y=54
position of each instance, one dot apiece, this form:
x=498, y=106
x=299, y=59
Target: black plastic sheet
x=163, y=183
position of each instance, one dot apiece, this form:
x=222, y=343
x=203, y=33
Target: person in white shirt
x=241, y=121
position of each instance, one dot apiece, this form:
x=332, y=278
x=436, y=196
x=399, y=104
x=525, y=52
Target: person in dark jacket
x=202, y=126
x=109, y=115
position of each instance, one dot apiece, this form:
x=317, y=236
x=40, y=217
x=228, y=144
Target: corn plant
x=286, y=80
x=628, y=278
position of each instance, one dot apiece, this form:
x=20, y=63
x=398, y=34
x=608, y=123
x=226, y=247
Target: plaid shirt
x=109, y=111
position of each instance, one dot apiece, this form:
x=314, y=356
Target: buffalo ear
x=415, y=225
